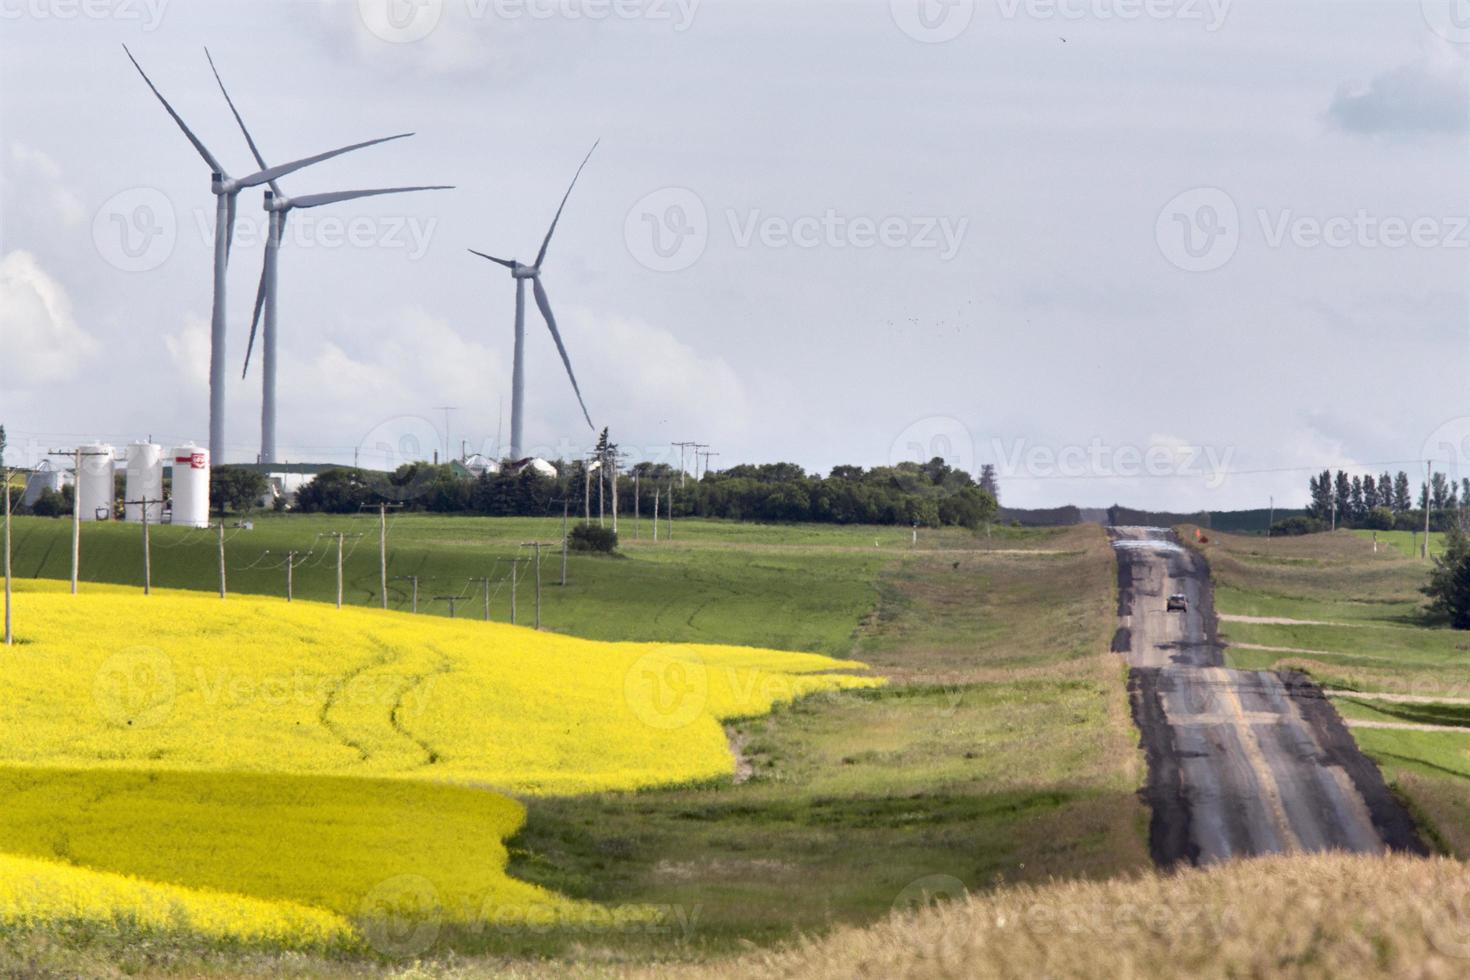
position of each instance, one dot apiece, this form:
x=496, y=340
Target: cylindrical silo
x=94, y=482
x=191, y=486
x=44, y=477
x=145, y=482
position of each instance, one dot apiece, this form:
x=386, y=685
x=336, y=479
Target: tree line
x=929, y=494
x=1383, y=502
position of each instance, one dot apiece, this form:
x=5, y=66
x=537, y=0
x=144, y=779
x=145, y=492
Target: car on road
x=1178, y=602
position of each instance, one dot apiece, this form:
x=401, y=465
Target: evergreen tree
x=1321, y=488
x=990, y=485
x=1449, y=581
x=1401, y=499
x=1359, y=504
x=1370, y=493
x=1385, y=491
x=1342, y=493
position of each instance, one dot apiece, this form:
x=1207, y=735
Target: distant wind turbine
x=278, y=206
x=520, y=273
x=226, y=189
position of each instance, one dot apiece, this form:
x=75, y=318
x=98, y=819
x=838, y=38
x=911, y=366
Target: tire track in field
x=445, y=666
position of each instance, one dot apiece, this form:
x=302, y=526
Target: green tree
x=341, y=490
x=1401, y=499
x=235, y=488
x=1449, y=581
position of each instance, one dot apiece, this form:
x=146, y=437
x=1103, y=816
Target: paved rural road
x=1240, y=762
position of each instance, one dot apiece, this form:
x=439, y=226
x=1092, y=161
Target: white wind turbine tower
x=278, y=206
x=520, y=273
x=226, y=189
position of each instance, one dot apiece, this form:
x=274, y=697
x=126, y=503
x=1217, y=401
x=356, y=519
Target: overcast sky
x=1163, y=252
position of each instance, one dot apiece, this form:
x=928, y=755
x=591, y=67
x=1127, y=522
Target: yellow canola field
x=185, y=681
x=45, y=893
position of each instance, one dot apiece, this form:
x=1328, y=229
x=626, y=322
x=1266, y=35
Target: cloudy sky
x=1167, y=252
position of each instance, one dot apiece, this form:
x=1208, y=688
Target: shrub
x=591, y=537
x=1292, y=526
x=1449, y=582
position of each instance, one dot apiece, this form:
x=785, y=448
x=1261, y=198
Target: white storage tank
x=191, y=486
x=44, y=477
x=144, y=482
x=94, y=482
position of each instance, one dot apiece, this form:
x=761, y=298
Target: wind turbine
x=278, y=206
x=226, y=189
x=520, y=273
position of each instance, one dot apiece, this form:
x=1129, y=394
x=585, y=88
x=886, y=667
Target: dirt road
x=1240, y=762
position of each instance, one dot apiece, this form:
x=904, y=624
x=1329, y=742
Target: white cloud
x=40, y=341
x=654, y=376
x=37, y=179
x=188, y=350
x=1425, y=96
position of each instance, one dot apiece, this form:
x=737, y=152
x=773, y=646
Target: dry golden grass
x=1304, y=916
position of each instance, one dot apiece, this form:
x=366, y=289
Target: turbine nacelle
x=276, y=202
x=519, y=271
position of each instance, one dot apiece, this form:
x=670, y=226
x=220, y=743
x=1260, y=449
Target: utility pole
x=76, y=510
x=697, y=447
x=513, y=563
x=147, y=546
x=682, y=446
x=485, y=587
x=221, y=528
x=451, y=599
x=563, y=542
x=671, y=510
x=290, y=567
x=383, y=551
x=587, y=493
x=1428, y=482
x=706, y=456
x=655, y=513
x=615, y=491
x=636, y=523
x=537, y=546
x=340, y=536
x=9, y=638
x=415, y=580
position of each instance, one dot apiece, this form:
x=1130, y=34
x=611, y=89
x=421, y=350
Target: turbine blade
x=255, y=319
x=265, y=176
x=230, y=204
x=505, y=262
x=254, y=150
x=545, y=305
x=541, y=255
x=209, y=158
x=317, y=200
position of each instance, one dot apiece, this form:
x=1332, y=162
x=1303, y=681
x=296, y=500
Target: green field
x=1406, y=542
x=1371, y=638
x=1001, y=751
x=803, y=587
